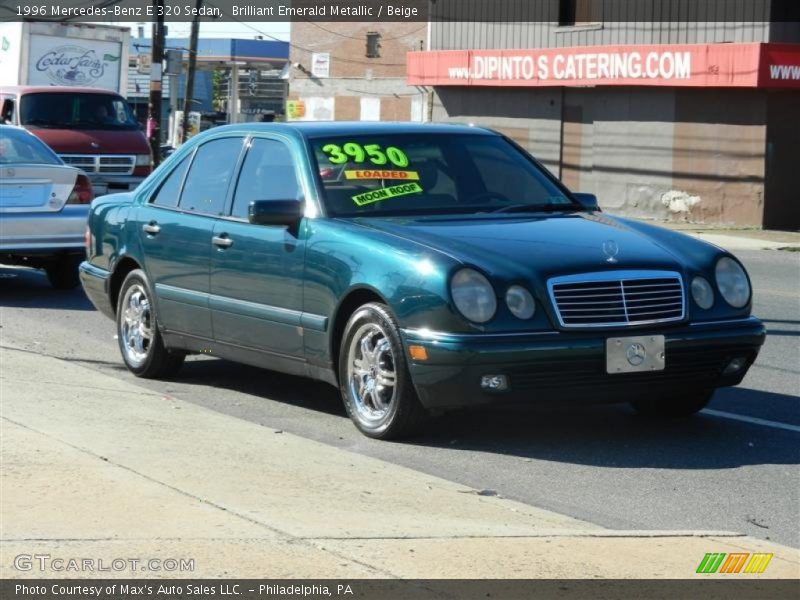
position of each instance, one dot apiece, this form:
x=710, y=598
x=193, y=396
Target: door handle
x=222, y=241
x=151, y=228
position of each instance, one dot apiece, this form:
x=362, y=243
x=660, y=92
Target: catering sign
x=685, y=65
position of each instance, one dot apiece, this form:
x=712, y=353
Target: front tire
x=675, y=407
x=140, y=341
x=374, y=379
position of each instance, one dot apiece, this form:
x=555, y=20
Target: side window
x=7, y=114
x=211, y=171
x=268, y=173
x=170, y=190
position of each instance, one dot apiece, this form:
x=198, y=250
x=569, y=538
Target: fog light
x=494, y=383
x=736, y=365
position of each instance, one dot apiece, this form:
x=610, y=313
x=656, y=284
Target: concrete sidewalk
x=733, y=239
x=99, y=468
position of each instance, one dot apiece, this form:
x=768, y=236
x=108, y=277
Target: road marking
x=753, y=420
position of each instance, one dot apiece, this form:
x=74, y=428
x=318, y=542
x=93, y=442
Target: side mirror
x=587, y=200
x=276, y=212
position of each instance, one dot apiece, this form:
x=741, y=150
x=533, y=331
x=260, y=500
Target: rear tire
x=140, y=342
x=374, y=379
x=674, y=408
x=63, y=272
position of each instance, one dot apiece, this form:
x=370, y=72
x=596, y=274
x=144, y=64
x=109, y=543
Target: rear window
x=20, y=147
x=418, y=174
x=76, y=111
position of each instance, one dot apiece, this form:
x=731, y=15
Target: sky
x=216, y=30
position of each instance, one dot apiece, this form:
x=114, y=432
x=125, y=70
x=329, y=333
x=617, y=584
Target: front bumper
x=37, y=232
x=558, y=367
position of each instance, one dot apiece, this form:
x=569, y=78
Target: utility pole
x=189, y=93
x=154, y=107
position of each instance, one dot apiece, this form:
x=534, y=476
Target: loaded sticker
x=375, y=174
x=403, y=189
x=373, y=153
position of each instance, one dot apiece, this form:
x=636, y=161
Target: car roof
x=339, y=128
x=36, y=89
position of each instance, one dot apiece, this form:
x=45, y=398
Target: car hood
x=80, y=141
x=549, y=245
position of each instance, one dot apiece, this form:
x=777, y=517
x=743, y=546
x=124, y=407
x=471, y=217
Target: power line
x=386, y=94
x=311, y=51
x=354, y=37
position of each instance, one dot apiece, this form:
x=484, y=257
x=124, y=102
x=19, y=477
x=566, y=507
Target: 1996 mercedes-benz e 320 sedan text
x=418, y=268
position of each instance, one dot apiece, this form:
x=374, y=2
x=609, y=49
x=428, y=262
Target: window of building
x=268, y=173
x=206, y=186
x=373, y=44
x=578, y=12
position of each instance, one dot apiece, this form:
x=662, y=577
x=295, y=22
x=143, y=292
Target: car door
x=177, y=227
x=257, y=270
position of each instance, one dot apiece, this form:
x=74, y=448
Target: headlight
x=732, y=282
x=144, y=160
x=473, y=295
x=702, y=293
x=520, y=302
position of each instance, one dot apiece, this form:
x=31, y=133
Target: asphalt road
x=734, y=467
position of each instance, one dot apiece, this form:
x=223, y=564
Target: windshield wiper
x=548, y=207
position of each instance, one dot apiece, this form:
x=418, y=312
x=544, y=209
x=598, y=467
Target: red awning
x=679, y=65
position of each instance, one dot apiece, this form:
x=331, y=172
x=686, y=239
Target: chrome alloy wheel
x=136, y=326
x=371, y=374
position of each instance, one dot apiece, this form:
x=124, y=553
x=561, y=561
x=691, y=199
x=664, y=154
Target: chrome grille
x=82, y=162
x=115, y=164
x=617, y=298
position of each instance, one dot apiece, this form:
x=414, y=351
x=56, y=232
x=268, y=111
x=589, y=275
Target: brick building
x=355, y=71
x=689, y=112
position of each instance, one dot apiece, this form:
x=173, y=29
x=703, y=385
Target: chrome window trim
x=614, y=276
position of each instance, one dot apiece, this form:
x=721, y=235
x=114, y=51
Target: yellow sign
x=295, y=109
x=378, y=174
x=384, y=193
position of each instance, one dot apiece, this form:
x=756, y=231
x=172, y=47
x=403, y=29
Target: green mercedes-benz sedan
x=418, y=268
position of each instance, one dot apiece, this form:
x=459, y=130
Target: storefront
x=706, y=132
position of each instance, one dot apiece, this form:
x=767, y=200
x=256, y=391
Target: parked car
x=93, y=129
x=418, y=268
x=44, y=206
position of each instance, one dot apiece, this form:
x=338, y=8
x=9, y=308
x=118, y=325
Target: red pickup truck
x=89, y=128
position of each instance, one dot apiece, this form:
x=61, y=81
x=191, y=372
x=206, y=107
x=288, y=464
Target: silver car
x=44, y=205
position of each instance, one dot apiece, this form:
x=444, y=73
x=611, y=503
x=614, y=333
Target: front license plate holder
x=635, y=354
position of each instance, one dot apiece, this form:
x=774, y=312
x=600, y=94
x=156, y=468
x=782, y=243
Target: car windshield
x=20, y=147
x=429, y=174
x=76, y=111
